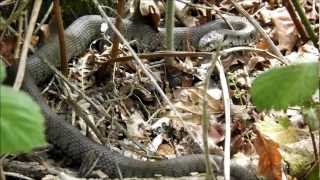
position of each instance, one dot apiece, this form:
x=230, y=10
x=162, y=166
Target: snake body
x=72, y=143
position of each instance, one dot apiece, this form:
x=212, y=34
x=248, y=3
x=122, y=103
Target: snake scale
x=76, y=146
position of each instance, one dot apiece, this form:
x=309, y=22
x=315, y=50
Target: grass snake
x=77, y=37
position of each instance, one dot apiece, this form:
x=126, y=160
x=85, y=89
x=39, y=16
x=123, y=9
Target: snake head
x=211, y=41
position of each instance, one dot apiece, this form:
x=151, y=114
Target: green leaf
x=2, y=72
x=311, y=117
x=279, y=88
x=21, y=122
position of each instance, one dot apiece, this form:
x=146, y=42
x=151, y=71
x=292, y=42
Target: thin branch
x=118, y=24
x=19, y=39
x=183, y=54
x=305, y=22
x=227, y=110
x=205, y=121
x=169, y=40
x=83, y=114
x=25, y=47
x=170, y=6
x=62, y=46
x=43, y=20
x=289, y=6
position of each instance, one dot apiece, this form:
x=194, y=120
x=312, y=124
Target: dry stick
x=43, y=20
x=17, y=175
x=169, y=40
x=305, y=22
x=25, y=48
x=170, y=6
x=118, y=24
x=274, y=49
x=205, y=120
x=163, y=54
x=289, y=6
x=19, y=40
x=314, y=144
x=146, y=71
x=103, y=71
x=183, y=54
x=196, y=5
x=319, y=78
x=227, y=107
x=2, y=158
x=83, y=114
x=62, y=46
x=6, y=2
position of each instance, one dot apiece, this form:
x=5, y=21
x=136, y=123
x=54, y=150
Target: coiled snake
x=72, y=143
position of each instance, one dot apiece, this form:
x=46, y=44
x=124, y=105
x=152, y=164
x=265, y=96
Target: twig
x=314, y=143
x=319, y=77
x=118, y=24
x=170, y=6
x=236, y=49
x=273, y=47
x=43, y=20
x=295, y=19
x=169, y=40
x=25, y=47
x=16, y=175
x=6, y=2
x=196, y=5
x=103, y=71
x=163, y=54
x=227, y=110
x=81, y=112
x=19, y=40
x=205, y=121
x=2, y=158
x=62, y=46
x=183, y=54
x=305, y=22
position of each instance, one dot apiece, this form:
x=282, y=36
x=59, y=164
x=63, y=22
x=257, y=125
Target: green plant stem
x=305, y=22
x=170, y=7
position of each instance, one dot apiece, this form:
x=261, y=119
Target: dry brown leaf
x=165, y=150
x=135, y=124
x=150, y=10
x=215, y=134
x=284, y=29
x=270, y=158
x=7, y=47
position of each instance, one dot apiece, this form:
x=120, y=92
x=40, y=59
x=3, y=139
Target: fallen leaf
x=165, y=150
x=270, y=159
x=7, y=47
x=150, y=10
x=284, y=29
